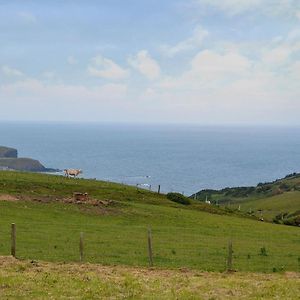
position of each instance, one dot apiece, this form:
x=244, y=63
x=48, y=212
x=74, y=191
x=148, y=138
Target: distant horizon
x=185, y=158
x=136, y=123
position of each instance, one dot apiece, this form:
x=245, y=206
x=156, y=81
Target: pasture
x=116, y=234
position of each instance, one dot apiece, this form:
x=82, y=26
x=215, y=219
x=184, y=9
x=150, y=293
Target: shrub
x=292, y=175
x=263, y=251
x=284, y=186
x=276, y=221
x=176, y=197
x=295, y=221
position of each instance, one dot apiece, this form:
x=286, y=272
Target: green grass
x=183, y=236
x=26, y=280
x=287, y=202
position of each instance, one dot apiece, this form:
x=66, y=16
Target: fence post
x=81, y=246
x=229, y=258
x=158, y=189
x=150, y=248
x=13, y=240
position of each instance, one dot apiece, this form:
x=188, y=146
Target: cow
x=72, y=172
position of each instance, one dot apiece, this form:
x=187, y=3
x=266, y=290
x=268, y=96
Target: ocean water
x=180, y=158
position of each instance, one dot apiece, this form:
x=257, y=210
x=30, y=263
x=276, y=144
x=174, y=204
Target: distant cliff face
x=9, y=160
x=8, y=152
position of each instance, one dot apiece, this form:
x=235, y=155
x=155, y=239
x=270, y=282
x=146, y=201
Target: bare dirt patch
x=69, y=200
x=89, y=205
x=5, y=197
x=90, y=201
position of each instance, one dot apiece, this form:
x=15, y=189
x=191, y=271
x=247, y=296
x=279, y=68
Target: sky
x=208, y=62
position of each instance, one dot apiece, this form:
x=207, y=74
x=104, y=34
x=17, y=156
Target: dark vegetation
x=178, y=198
x=292, y=219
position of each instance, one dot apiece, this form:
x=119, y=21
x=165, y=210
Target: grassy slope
x=280, y=196
x=182, y=237
x=25, y=280
x=272, y=206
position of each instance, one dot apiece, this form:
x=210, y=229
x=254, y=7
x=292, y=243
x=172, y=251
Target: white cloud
x=293, y=35
x=267, y=7
x=27, y=17
x=145, y=64
x=280, y=51
x=106, y=68
x=36, y=89
x=8, y=71
x=231, y=87
x=193, y=42
x=278, y=55
x=211, y=63
x=232, y=7
x=294, y=71
x=49, y=74
x=209, y=68
x=35, y=99
x=72, y=60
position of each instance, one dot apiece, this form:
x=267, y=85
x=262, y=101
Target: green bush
x=176, y=197
x=276, y=221
x=294, y=221
x=263, y=251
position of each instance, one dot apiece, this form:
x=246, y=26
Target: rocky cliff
x=9, y=160
x=22, y=164
x=8, y=152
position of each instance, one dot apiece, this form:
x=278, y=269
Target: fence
x=146, y=247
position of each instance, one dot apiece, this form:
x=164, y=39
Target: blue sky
x=185, y=61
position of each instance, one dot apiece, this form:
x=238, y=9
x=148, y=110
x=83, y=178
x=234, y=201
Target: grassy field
x=116, y=234
x=40, y=280
x=274, y=205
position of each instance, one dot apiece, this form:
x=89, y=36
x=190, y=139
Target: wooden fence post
x=229, y=258
x=13, y=240
x=150, y=248
x=158, y=189
x=81, y=246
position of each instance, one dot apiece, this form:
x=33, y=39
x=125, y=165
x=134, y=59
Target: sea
x=179, y=158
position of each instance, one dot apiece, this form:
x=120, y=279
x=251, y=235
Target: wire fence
x=143, y=246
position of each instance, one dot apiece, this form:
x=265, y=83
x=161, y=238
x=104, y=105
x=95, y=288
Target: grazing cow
x=72, y=172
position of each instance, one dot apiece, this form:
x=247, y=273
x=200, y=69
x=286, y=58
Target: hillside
x=277, y=201
x=115, y=223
